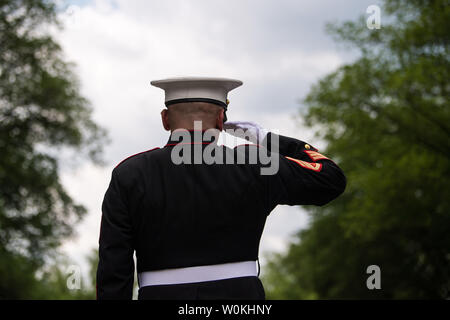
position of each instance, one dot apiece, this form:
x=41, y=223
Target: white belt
x=198, y=274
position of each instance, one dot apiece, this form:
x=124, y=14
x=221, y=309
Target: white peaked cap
x=197, y=89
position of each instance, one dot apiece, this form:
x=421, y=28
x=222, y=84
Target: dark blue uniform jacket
x=183, y=215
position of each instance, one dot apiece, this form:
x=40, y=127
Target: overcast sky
x=277, y=48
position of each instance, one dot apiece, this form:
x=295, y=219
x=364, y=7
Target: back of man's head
x=182, y=115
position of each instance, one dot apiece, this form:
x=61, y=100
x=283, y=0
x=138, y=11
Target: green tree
x=386, y=121
x=41, y=114
x=52, y=281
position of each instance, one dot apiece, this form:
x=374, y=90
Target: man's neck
x=193, y=127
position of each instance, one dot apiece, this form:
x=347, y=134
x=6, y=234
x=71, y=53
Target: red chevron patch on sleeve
x=307, y=165
x=315, y=156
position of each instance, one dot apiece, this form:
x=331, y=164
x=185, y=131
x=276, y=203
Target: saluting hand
x=247, y=130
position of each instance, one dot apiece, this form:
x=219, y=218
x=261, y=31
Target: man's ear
x=219, y=120
x=165, y=119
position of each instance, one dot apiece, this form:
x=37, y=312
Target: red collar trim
x=134, y=156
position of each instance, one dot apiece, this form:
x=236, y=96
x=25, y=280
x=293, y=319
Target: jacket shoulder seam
x=134, y=155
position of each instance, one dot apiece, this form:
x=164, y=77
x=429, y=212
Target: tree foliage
x=41, y=113
x=386, y=119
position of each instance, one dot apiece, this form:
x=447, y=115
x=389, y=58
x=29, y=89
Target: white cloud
x=87, y=184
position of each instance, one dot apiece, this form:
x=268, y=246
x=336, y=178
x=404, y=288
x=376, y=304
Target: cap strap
x=214, y=101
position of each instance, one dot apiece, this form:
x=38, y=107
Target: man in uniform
x=195, y=226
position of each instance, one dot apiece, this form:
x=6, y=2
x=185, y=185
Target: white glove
x=248, y=130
